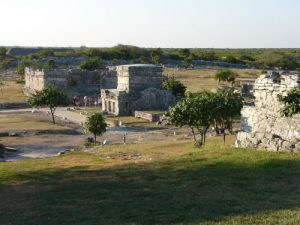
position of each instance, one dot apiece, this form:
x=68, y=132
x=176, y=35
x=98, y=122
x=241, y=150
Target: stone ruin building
x=262, y=126
x=75, y=82
x=139, y=88
x=122, y=89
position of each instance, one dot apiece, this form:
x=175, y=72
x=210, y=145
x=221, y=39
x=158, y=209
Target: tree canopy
x=226, y=75
x=51, y=97
x=96, y=125
x=202, y=110
x=178, y=89
x=91, y=64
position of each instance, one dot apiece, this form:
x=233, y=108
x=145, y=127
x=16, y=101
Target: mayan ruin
x=75, y=82
x=139, y=88
x=262, y=125
x=150, y=112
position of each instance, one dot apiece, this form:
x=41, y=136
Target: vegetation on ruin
x=91, y=64
x=178, y=89
x=51, y=97
x=153, y=183
x=291, y=102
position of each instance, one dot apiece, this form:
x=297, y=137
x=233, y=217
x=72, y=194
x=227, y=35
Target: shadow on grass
x=185, y=191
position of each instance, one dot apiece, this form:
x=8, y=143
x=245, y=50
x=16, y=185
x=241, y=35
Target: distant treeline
x=288, y=59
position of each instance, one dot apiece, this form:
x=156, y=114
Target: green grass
x=163, y=183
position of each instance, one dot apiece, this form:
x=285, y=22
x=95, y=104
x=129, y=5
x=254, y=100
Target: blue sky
x=151, y=23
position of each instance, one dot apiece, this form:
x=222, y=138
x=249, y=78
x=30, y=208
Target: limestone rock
x=262, y=126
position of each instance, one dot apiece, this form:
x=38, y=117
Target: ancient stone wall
x=150, y=116
x=73, y=81
x=262, y=126
x=136, y=78
x=154, y=99
x=139, y=88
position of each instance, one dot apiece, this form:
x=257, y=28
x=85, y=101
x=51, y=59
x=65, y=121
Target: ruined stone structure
x=139, y=88
x=75, y=82
x=262, y=126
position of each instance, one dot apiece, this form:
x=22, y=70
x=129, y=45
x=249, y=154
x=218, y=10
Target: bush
x=178, y=89
x=92, y=64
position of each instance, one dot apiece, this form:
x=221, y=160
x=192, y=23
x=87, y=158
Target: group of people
x=87, y=101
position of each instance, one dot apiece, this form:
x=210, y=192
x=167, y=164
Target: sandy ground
x=48, y=145
x=41, y=145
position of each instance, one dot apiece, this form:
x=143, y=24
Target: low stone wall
x=262, y=126
x=13, y=105
x=152, y=117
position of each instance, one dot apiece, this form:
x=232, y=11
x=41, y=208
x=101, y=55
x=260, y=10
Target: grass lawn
x=16, y=122
x=11, y=92
x=163, y=183
x=203, y=79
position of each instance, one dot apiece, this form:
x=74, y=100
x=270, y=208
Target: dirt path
x=33, y=145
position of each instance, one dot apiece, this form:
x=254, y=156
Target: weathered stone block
x=262, y=126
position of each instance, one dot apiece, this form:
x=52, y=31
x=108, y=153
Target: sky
x=151, y=23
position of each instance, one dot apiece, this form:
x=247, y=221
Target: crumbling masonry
x=262, y=126
x=75, y=82
x=139, y=88
x=123, y=89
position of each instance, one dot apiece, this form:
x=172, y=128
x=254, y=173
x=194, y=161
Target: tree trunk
x=52, y=114
x=193, y=132
x=224, y=136
x=95, y=138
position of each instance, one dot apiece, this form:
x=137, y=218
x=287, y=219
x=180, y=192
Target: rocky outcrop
x=262, y=126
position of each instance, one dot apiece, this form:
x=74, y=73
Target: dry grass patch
x=203, y=79
x=18, y=122
x=12, y=93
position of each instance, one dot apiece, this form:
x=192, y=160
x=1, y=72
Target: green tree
x=3, y=52
x=183, y=114
x=228, y=105
x=50, y=64
x=196, y=112
x=144, y=60
x=291, y=102
x=178, y=89
x=187, y=62
x=184, y=52
x=44, y=53
x=93, y=52
x=156, y=55
x=92, y=64
x=96, y=125
x=226, y=75
x=51, y=97
x=114, y=62
x=21, y=67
